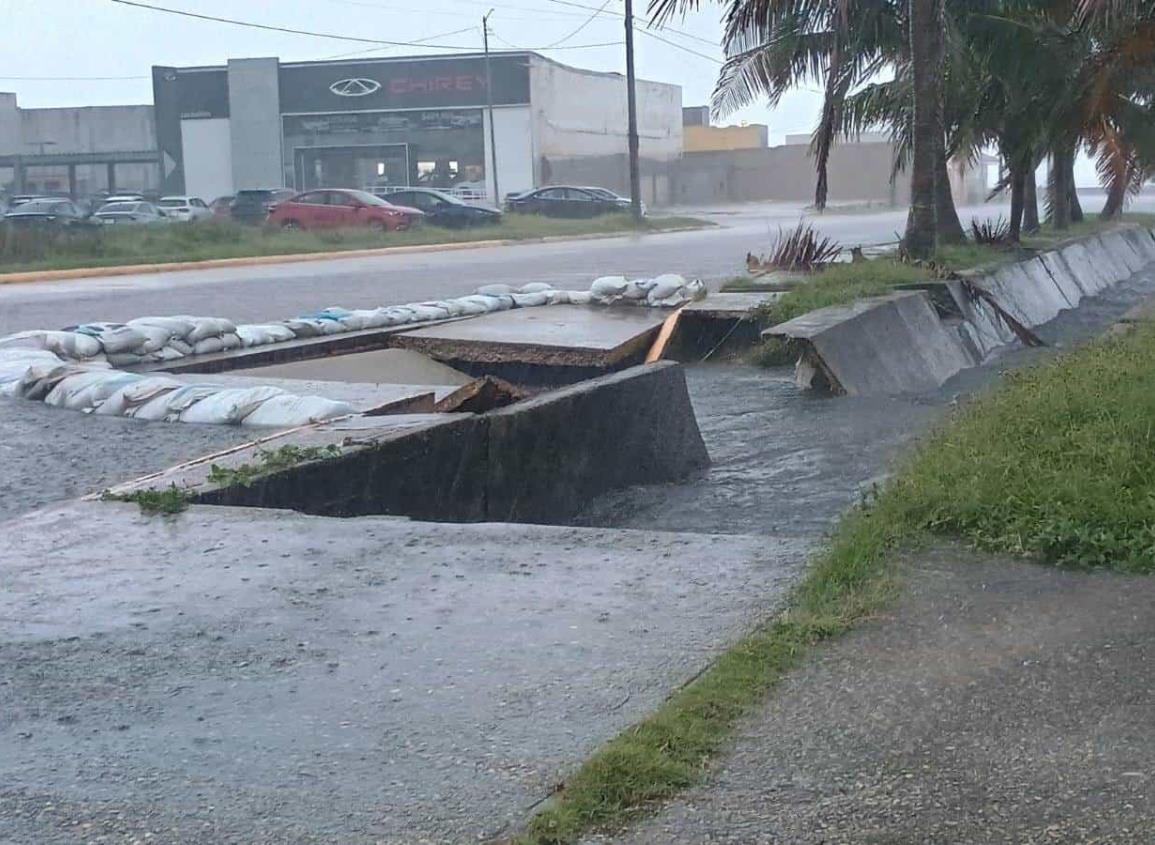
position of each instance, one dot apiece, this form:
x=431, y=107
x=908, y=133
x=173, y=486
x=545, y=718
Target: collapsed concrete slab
x=540, y=460
x=555, y=345
x=896, y=345
x=887, y=344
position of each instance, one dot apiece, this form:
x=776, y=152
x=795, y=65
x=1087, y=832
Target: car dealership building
x=260, y=123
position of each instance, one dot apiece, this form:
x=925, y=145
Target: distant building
x=263, y=123
x=77, y=150
x=699, y=136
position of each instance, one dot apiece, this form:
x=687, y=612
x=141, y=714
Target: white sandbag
x=478, y=304
x=289, y=410
x=666, y=285
x=130, y=359
x=95, y=393
x=229, y=406
x=530, y=300
x=355, y=321
x=180, y=345
x=74, y=392
x=580, y=297
x=203, y=327
x=264, y=333
x=135, y=393
x=155, y=335
x=65, y=344
x=230, y=340
x=399, y=315
x=20, y=369
x=168, y=406
x=637, y=289
x=304, y=328
x=114, y=338
x=167, y=353
x=494, y=290
x=427, y=313
x=450, y=306
x=208, y=345
x=560, y=297
x=535, y=287
x=608, y=289
x=175, y=326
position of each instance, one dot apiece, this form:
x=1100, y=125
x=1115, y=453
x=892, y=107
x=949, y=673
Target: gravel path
x=1001, y=702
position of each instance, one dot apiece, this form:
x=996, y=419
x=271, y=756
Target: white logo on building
x=358, y=87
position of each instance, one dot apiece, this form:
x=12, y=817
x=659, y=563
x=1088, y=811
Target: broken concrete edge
x=889, y=345
x=539, y=461
x=34, y=276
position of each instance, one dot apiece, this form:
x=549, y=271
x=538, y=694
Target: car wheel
x=291, y=225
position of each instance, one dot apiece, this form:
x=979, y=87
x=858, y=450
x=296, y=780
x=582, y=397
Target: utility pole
x=489, y=106
x=632, y=108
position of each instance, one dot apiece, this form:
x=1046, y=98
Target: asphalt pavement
x=280, y=291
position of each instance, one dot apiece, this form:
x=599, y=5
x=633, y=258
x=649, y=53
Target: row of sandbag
x=95, y=387
x=158, y=339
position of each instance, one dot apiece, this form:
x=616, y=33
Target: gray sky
x=100, y=38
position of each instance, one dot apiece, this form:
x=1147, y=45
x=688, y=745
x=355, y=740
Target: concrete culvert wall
x=538, y=461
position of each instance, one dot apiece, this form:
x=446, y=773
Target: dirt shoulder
x=997, y=701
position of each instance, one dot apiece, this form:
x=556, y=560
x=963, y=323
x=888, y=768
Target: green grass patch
x=1058, y=464
x=36, y=249
x=153, y=502
x=270, y=461
x=840, y=284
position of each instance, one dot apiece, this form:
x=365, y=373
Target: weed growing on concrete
x=270, y=461
x=171, y=500
x=1059, y=465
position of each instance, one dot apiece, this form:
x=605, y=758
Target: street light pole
x=489, y=106
x=632, y=109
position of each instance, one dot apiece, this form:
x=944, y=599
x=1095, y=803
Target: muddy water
x=787, y=462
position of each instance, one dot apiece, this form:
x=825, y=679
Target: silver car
x=186, y=209
x=129, y=213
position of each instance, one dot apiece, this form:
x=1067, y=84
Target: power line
x=289, y=30
x=581, y=26
x=422, y=41
x=677, y=46
x=513, y=46
x=457, y=13
x=615, y=13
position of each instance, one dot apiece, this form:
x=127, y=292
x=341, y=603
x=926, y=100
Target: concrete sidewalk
x=998, y=702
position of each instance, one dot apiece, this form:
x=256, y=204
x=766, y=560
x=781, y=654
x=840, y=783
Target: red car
x=332, y=208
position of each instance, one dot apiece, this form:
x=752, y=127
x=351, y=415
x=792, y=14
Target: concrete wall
x=857, y=172
x=581, y=113
x=208, y=157
x=708, y=138
x=515, y=157
x=255, y=123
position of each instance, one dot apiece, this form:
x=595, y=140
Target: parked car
x=186, y=209
x=332, y=208
x=19, y=199
x=221, y=205
x=567, y=201
x=129, y=214
x=46, y=211
x=121, y=196
x=254, y=206
x=624, y=202
x=442, y=209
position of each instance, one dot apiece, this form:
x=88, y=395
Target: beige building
x=699, y=139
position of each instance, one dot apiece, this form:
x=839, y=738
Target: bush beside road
x=35, y=249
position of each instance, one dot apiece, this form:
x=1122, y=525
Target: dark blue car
x=442, y=209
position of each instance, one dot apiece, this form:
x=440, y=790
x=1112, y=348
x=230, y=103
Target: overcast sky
x=101, y=38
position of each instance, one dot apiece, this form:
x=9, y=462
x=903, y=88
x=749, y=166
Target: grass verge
x=29, y=250
x=1057, y=464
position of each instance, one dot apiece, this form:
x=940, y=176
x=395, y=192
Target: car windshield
x=368, y=198
x=254, y=196
x=120, y=206
x=174, y=202
x=42, y=206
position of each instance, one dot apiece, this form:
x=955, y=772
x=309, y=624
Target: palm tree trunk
x=947, y=225
x=1018, y=197
x=925, y=17
x=1116, y=195
x=1060, y=188
x=1030, y=201
x=1076, y=206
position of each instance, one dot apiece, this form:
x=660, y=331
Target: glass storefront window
x=440, y=148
